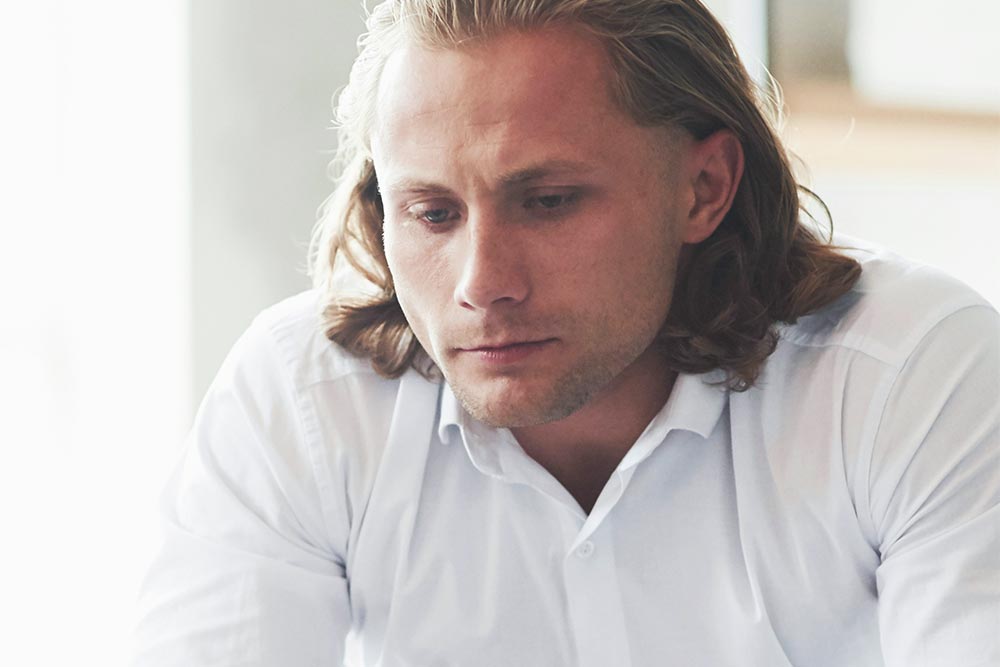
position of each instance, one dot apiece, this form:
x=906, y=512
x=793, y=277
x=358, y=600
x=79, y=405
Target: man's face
x=531, y=228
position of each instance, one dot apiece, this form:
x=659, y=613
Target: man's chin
x=511, y=406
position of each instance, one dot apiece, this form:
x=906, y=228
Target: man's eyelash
x=428, y=214
x=564, y=199
x=432, y=216
x=546, y=203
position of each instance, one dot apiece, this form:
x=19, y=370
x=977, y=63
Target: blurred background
x=161, y=164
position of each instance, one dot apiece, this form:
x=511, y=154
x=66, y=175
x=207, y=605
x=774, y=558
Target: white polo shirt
x=844, y=512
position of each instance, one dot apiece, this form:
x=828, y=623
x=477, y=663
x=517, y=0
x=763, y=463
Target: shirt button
x=585, y=549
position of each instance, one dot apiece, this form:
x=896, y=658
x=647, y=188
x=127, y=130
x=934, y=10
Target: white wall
x=262, y=74
x=746, y=21
x=918, y=52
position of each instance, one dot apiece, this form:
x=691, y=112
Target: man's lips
x=487, y=347
x=507, y=352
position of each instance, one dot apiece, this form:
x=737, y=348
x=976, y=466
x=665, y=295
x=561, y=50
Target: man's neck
x=583, y=450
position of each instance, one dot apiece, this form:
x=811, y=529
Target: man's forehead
x=513, y=108
x=528, y=76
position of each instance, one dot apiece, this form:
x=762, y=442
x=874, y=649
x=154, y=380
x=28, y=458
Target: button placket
x=594, y=602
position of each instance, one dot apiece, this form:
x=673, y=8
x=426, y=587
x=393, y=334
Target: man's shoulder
x=893, y=306
x=295, y=329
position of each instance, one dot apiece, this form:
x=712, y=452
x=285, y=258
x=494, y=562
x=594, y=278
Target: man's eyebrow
x=414, y=185
x=517, y=177
x=546, y=169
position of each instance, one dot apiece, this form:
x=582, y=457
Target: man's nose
x=493, y=272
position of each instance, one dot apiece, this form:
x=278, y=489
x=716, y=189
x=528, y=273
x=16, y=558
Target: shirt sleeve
x=248, y=574
x=935, y=499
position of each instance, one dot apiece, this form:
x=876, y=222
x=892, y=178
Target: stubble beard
x=564, y=396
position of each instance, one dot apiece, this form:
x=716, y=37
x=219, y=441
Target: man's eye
x=551, y=201
x=432, y=216
x=436, y=215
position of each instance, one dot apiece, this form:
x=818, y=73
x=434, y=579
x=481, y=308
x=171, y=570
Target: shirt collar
x=696, y=402
x=451, y=415
x=481, y=441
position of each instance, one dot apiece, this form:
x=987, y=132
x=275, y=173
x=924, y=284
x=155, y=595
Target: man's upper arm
x=248, y=574
x=935, y=499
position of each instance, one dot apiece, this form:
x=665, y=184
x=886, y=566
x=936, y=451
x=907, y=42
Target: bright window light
x=93, y=339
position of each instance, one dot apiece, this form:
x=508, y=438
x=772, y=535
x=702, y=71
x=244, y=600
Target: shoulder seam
x=887, y=388
x=309, y=423
x=897, y=355
x=281, y=328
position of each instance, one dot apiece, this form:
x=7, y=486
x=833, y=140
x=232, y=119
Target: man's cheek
x=416, y=318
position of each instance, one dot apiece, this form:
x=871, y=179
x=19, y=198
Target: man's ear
x=714, y=170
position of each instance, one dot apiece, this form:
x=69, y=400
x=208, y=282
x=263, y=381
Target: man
x=601, y=398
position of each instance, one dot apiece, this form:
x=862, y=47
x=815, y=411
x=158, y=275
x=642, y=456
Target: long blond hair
x=673, y=64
